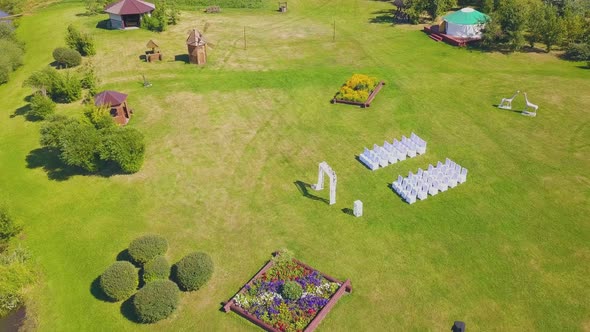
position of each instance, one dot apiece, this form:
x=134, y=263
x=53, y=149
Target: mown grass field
x=507, y=250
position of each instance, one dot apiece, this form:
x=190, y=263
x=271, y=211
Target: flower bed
x=287, y=295
x=358, y=90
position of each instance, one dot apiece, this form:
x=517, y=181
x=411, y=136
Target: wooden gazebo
x=117, y=102
x=197, y=47
x=128, y=13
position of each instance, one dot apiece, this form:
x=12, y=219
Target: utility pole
x=334, y=32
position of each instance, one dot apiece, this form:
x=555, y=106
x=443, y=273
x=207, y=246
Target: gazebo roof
x=130, y=7
x=466, y=16
x=109, y=97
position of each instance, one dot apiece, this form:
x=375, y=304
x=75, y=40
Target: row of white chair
x=391, y=153
x=436, y=178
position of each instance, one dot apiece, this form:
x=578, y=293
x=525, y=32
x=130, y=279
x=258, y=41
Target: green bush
x=291, y=290
x=61, y=87
x=577, y=52
x=156, y=269
x=12, y=6
x=157, y=22
x=67, y=57
x=67, y=89
x=119, y=281
x=7, y=32
x=8, y=225
x=156, y=301
x=223, y=3
x=75, y=142
x=81, y=42
x=5, y=70
x=12, y=52
x=193, y=271
x=41, y=107
x=147, y=247
x=123, y=146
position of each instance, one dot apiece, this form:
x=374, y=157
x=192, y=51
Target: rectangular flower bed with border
x=358, y=90
x=269, y=301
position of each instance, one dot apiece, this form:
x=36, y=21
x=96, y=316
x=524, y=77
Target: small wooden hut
x=128, y=13
x=283, y=6
x=117, y=102
x=197, y=47
x=153, y=54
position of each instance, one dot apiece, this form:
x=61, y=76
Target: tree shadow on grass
x=48, y=159
x=127, y=310
x=302, y=187
x=386, y=16
x=97, y=292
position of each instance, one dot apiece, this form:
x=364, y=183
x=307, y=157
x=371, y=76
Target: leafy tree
x=7, y=32
x=41, y=107
x=81, y=42
x=8, y=225
x=552, y=25
x=67, y=88
x=12, y=52
x=94, y=7
x=99, y=117
x=67, y=57
x=124, y=146
x=12, y=6
x=512, y=15
x=43, y=81
x=75, y=142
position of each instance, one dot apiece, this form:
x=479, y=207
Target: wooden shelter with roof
x=153, y=54
x=117, y=102
x=128, y=13
x=197, y=47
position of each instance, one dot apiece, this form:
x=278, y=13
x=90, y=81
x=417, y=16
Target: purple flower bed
x=286, y=307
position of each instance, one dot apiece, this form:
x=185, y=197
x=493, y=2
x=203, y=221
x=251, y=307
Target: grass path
x=227, y=141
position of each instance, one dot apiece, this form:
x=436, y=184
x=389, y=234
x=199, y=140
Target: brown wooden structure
x=364, y=104
x=212, y=9
x=117, y=102
x=345, y=286
x=197, y=47
x=283, y=6
x=435, y=34
x=153, y=54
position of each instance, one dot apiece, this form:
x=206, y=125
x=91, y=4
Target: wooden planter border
x=367, y=102
x=345, y=286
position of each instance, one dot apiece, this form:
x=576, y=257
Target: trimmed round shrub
x=145, y=248
x=157, y=268
x=156, y=301
x=67, y=57
x=119, y=281
x=291, y=290
x=193, y=271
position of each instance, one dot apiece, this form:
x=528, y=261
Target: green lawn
x=507, y=250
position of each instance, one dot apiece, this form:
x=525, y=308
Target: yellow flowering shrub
x=357, y=88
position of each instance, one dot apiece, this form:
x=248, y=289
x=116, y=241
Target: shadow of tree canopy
x=49, y=160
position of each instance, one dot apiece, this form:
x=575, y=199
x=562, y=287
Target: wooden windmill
x=197, y=47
